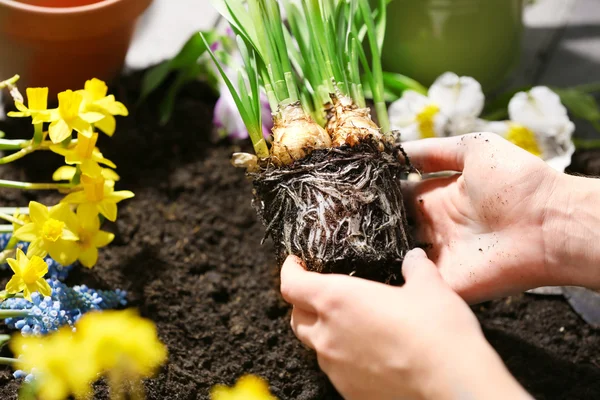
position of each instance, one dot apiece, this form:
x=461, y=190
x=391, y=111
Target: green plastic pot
x=478, y=38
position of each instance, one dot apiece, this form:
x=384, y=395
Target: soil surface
x=188, y=249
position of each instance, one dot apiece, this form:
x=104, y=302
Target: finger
x=437, y=154
x=304, y=326
x=417, y=268
x=298, y=286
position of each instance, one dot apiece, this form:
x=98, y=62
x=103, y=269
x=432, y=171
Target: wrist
x=571, y=228
x=477, y=372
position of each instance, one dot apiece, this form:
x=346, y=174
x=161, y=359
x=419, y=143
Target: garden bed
x=188, y=250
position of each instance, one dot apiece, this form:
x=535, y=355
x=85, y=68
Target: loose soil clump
x=188, y=249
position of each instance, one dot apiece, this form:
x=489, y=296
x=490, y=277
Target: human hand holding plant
x=491, y=228
x=381, y=342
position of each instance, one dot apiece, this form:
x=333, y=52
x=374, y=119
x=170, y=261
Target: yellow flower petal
x=15, y=285
x=38, y=212
x=91, y=168
x=110, y=175
x=108, y=209
x=120, y=195
x=27, y=233
x=59, y=131
x=43, y=287
x=36, y=248
x=74, y=198
x=14, y=265
x=68, y=235
x=69, y=103
x=103, y=238
x=88, y=218
x=83, y=127
x=107, y=125
x=91, y=117
x=96, y=88
x=89, y=257
x=64, y=173
x=65, y=252
x=111, y=106
x=37, y=98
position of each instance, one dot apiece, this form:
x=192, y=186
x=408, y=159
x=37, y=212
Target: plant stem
x=8, y=361
x=14, y=313
x=6, y=228
x=8, y=144
x=34, y=186
x=38, y=133
x=4, y=339
x=11, y=219
x=17, y=155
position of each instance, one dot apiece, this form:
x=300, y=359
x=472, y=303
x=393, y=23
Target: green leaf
x=580, y=104
x=185, y=59
x=398, y=83
x=168, y=104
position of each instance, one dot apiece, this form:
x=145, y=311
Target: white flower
x=416, y=117
x=539, y=123
x=451, y=108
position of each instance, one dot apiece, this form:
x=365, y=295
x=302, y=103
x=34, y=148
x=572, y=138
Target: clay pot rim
x=30, y=8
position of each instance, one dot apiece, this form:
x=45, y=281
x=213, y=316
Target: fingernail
x=416, y=253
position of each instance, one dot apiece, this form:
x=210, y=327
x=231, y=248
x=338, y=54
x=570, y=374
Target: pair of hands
x=490, y=237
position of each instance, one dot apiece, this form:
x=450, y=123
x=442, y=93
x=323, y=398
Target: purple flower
x=228, y=120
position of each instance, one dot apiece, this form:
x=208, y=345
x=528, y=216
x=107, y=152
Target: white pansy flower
x=539, y=123
x=416, y=117
x=451, y=108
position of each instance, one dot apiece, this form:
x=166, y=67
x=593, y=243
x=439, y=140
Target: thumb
x=417, y=267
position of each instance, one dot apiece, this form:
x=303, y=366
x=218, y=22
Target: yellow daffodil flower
x=67, y=173
x=21, y=217
x=90, y=236
x=82, y=150
x=68, y=117
x=248, y=387
x=28, y=276
x=50, y=233
x=123, y=343
x=37, y=99
x=96, y=100
x=61, y=364
x=99, y=195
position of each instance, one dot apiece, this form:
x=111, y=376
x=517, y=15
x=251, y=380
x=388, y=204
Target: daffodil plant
x=64, y=233
x=68, y=231
x=118, y=345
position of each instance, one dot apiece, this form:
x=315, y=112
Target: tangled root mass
x=340, y=210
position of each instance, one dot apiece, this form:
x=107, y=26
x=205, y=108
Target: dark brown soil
x=188, y=251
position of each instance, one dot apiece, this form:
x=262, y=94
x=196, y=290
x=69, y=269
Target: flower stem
x=8, y=361
x=10, y=218
x=16, y=144
x=6, y=228
x=17, y=155
x=34, y=186
x=38, y=133
x=4, y=339
x=14, y=313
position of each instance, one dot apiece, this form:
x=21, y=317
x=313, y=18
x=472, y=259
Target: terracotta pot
x=59, y=3
x=62, y=47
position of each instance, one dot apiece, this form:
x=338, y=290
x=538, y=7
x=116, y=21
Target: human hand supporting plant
x=375, y=341
x=503, y=224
